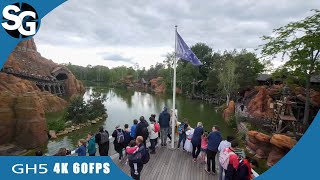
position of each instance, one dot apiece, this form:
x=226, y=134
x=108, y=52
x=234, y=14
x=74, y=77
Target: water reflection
x=123, y=106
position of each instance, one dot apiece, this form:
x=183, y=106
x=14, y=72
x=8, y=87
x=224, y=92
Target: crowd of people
x=203, y=146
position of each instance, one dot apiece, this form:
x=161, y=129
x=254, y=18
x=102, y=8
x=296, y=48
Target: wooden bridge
x=44, y=83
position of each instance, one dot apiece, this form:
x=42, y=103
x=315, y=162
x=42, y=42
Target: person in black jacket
x=102, y=139
x=118, y=142
x=142, y=130
x=164, y=121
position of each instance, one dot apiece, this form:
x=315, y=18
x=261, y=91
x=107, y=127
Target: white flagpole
x=174, y=91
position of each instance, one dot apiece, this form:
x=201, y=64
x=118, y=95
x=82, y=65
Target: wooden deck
x=169, y=164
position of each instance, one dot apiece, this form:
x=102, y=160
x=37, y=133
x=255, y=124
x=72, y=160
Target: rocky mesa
x=30, y=86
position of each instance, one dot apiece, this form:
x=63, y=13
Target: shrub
x=56, y=121
x=232, y=121
x=77, y=110
x=80, y=111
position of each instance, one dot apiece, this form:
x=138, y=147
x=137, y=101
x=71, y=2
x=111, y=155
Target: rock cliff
x=22, y=104
x=270, y=148
x=26, y=58
x=22, y=119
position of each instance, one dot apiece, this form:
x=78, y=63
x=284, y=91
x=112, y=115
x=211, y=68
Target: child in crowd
x=127, y=137
x=82, y=148
x=131, y=150
x=188, y=144
x=204, y=146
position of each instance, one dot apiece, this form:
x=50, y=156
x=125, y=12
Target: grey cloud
x=115, y=57
x=221, y=24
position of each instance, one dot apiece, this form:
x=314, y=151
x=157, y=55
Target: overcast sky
x=119, y=32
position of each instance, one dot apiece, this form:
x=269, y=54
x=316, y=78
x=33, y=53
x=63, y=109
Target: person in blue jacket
x=82, y=149
x=196, y=141
x=214, y=140
x=133, y=129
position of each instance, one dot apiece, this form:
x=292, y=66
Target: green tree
x=228, y=79
x=76, y=111
x=300, y=41
x=248, y=68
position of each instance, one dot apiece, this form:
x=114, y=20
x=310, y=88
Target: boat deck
x=169, y=164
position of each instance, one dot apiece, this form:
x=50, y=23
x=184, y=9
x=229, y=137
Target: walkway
x=169, y=164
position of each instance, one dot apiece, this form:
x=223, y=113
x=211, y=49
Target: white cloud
x=142, y=31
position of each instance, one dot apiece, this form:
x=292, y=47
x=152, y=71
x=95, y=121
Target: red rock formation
x=227, y=113
x=275, y=155
x=281, y=145
x=283, y=142
x=314, y=95
x=158, y=85
x=31, y=126
x=22, y=120
x=26, y=58
x=270, y=148
x=259, y=143
x=15, y=85
x=22, y=104
x=259, y=105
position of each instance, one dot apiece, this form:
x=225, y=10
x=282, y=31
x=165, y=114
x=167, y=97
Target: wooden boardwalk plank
x=169, y=164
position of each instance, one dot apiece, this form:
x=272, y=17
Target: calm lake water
x=124, y=105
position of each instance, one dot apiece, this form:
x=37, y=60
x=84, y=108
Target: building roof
x=315, y=79
x=264, y=77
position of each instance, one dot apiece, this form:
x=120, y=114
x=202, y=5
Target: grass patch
x=56, y=121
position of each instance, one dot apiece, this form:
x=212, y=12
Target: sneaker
x=207, y=170
x=213, y=173
x=194, y=160
x=136, y=173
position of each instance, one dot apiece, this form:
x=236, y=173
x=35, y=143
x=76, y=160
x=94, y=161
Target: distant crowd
x=196, y=141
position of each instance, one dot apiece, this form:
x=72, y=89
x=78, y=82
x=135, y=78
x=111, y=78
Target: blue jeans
x=182, y=138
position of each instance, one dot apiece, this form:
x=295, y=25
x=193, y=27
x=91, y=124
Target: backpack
x=181, y=128
x=135, y=158
x=145, y=156
x=156, y=127
x=120, y=136
x=224, y=158
x=104, y=137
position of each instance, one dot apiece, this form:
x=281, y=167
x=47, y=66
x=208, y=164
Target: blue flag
x=185, y=53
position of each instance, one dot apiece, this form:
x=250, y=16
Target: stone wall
x=267, y=147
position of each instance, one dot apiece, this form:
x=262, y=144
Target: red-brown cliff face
x=26, y=58
x=22, y=104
